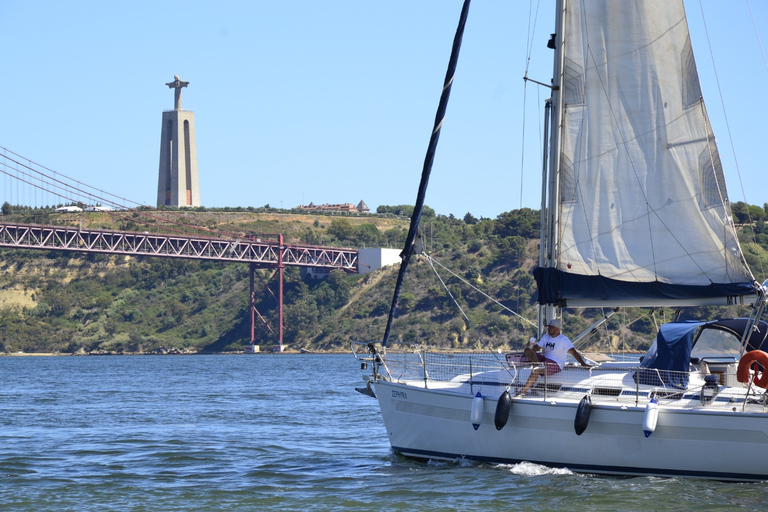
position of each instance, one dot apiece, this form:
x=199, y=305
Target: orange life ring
x=746, y=363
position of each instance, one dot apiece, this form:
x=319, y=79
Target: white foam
x=531, y=469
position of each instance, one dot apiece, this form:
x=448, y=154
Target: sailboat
x=637, y=214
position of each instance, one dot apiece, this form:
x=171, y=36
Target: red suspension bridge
x=214, y=246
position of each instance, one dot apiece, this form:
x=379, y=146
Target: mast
x=551, y=204
x=543, y=222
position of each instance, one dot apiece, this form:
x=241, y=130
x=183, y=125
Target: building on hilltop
x=177, y=183
x=327, y=207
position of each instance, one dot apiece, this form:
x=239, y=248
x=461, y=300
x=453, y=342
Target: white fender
x=476, y=416
x=650, y=417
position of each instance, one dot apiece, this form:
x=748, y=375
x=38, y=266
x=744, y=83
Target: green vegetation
x=53, y=301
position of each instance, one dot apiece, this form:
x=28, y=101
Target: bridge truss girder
x=30, y=236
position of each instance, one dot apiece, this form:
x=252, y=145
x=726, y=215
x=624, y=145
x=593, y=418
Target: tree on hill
x=405, y=210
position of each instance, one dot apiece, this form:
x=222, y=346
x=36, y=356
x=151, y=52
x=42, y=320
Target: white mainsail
x=644, y=216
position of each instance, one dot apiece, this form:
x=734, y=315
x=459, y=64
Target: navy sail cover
x=557, y=287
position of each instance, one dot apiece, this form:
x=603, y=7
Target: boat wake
x=459, y=462
x=531, y=469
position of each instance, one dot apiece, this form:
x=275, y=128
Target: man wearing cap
x=556, y=348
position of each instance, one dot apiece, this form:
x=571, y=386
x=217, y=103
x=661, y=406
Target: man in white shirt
x=556, y=347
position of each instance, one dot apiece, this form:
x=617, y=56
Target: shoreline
x=179, y=353
x=266, y=353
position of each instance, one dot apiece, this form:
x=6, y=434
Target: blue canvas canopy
x=671, y=352
x=666, y=362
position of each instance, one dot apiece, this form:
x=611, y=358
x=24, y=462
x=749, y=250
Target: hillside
x=75, y=303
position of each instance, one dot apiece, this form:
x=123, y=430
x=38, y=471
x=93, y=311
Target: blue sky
x=328, y=101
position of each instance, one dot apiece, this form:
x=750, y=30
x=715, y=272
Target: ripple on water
x=262, y=433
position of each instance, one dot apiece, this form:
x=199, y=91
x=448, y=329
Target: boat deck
x=610, y=383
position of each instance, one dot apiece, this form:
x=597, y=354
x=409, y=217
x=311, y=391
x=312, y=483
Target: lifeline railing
x=491, y=373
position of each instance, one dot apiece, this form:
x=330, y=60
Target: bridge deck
x=31, y=236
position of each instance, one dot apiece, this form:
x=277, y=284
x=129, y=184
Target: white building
x=369, y=260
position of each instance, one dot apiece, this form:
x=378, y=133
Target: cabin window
x=716, y=343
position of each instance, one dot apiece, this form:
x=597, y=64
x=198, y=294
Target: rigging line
x=587, y=337
x=531, y=31
x=448, y=291
x=606, y=328
x=481, y=292
x=730, y=136
x=757, y=34
x=427, y=169
x=722, y=103
x=532, y=23
x=728, y=224
x=471, y=325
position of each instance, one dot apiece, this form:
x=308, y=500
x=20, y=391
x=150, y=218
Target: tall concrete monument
x=177, y=184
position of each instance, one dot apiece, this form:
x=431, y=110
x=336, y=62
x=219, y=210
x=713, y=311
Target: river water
x=262, y=432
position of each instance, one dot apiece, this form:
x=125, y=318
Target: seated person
x=556, y=347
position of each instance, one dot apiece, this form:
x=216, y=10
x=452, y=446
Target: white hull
x=718, y=444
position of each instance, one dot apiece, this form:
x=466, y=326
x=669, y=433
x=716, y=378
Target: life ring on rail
x=746, y=363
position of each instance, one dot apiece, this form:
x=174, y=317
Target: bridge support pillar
x=280, y=267
x=252, y=307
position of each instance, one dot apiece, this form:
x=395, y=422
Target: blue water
x=262, y=432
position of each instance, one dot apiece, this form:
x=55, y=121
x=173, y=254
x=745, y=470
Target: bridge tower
x=177, y=183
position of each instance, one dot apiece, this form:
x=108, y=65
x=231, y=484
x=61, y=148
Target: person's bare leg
x=531, y=381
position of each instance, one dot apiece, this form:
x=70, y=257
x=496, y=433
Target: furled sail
x=643, y=216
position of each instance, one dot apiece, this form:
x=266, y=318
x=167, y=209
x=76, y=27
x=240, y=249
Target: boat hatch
x=606, y=391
